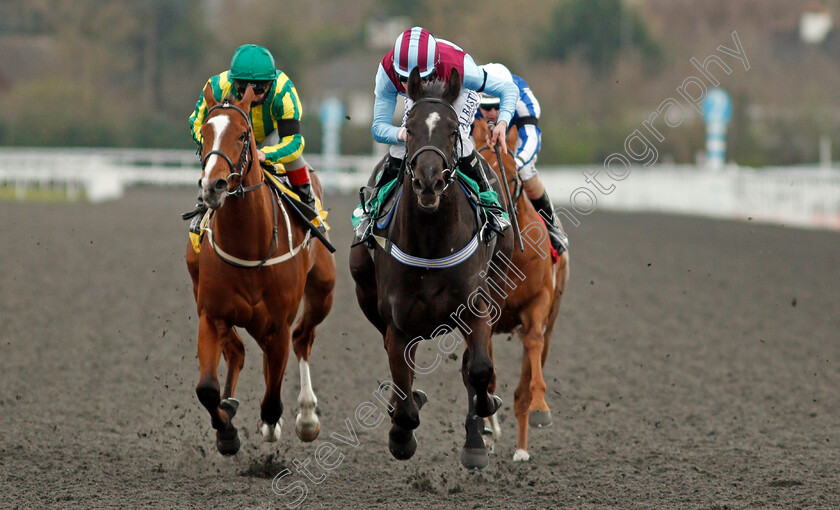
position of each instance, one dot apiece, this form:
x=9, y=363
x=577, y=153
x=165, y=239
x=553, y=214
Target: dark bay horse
x=427, y=275
x=531, y=309
x=254, y=269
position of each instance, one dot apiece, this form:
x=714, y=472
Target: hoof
x=539, y=419
x=420, y=398
x=402, y=444
x=521, y=456
x=474, y=458
x=229, y=406
x=227, y=441
x=307, y=430
x=271, y=433
x=495, y=404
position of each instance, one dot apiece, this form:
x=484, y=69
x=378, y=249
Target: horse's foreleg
x=480, y=369
x=521, y=402
x=474, y=452
x=275, y=356
x=234, y=351
x=405, y=403
x=221, y=411
x=492, y=430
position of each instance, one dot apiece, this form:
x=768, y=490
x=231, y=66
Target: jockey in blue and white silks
x=526, y=119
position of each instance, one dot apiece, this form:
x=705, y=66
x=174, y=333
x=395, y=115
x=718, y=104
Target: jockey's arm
x=286, y=112
x=528, y=113
x=385, y=103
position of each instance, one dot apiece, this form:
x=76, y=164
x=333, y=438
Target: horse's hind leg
x=318, y=298
x=521, y=402
x=275, y=356
x=210, y=341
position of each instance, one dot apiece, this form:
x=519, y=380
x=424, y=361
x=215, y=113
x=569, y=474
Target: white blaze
x=219, y=124
x=431, y=121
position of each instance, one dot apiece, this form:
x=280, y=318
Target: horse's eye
x=244, y=136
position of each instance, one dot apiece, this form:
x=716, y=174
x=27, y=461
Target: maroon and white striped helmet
x=415, y=47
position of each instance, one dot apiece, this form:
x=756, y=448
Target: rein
x=518, y=188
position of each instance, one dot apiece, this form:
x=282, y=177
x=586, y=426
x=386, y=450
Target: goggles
x=259, y=86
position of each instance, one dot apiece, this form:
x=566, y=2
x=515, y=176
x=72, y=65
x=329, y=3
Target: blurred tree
x=599, y=31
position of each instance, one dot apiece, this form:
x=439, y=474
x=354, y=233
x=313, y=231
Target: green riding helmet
x=252, y=63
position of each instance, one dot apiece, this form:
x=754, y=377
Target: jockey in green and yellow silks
x=275, y=112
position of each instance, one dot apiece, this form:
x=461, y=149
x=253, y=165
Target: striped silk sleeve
x=286, y=114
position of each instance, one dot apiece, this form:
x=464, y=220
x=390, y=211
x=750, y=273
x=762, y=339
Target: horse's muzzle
x=214, y=196
x=428, y=191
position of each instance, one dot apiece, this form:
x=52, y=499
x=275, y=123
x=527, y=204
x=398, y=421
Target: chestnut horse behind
x=253, y=270
x=531, y=308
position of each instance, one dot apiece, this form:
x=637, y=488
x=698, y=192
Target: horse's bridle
x=450, y=167
x=241, y=166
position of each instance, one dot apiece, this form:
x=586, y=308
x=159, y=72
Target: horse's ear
x=414, y=87
x=245, y=104
x=209, y=99
x=453, y=87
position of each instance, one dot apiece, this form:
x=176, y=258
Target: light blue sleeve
x=506, y=91
x=384, y=105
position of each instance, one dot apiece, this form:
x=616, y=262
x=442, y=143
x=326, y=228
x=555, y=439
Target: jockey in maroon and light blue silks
x=436, y=59
x=275, y=112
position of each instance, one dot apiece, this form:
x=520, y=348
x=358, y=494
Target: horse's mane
x=434, y=89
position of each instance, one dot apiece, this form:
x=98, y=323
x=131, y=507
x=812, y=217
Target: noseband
x=450, y=168
x=241, y=166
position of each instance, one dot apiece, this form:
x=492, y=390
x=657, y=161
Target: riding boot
x=390, y=171
x=495, y=219
x=304, y=192
x=558, y=238
x=196, y=214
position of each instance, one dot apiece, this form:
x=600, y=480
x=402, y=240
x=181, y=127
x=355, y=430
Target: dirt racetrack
x=696, y=364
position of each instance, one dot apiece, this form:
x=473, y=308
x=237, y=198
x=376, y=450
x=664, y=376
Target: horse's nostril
x=220, y=185
x=438, y=186
x=418, y=187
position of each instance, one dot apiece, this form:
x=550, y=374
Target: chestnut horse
x=253, y=270
x=426, y=275
x=531, y=309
